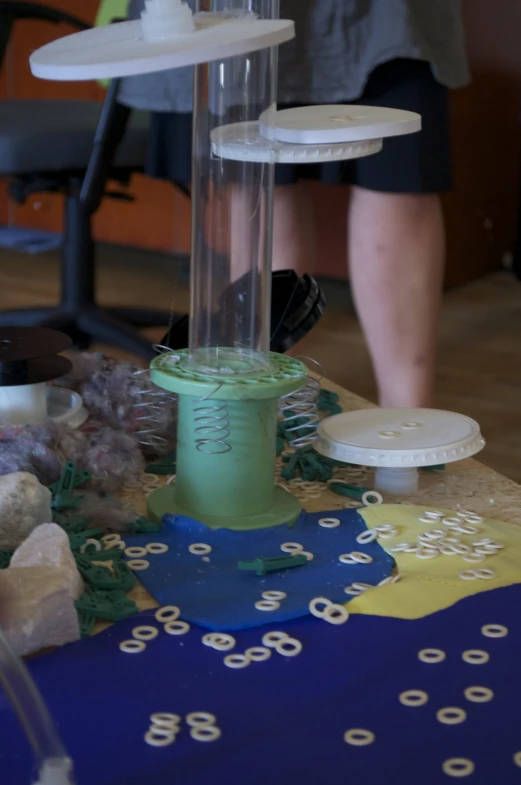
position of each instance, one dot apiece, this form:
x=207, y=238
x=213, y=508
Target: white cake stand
x=399, y=441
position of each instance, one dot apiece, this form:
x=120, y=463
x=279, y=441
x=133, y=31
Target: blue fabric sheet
x=283, y=720
x=217, y=595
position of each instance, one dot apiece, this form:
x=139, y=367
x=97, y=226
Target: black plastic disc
x=29, y=355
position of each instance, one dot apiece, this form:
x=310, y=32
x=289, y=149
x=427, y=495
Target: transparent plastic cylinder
x=232, y=210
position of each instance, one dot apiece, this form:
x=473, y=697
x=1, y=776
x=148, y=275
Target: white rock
x=36, y=608
x=48, y=546
x=24, y=504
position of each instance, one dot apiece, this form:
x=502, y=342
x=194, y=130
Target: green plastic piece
x=113, y=554
x=5, y=558
x=71, y=525
x=349, y=491
x=311, y=466
x=440, y=468
x=62, y=490
x=95, y=576
x=143, y=526
x=87, y=624
x=329, y=402
x=262, y=566
x=107, y=605
x=125, y=576
x=166, y=465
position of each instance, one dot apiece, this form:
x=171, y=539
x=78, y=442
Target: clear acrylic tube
x=232, y=210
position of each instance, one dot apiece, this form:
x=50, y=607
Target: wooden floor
x=480, y=341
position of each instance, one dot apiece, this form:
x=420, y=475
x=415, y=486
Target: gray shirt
x=338, y=44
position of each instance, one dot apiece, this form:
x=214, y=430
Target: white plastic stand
x=399, y=441
x=23, y=404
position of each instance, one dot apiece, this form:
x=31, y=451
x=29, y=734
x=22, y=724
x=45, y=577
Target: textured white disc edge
x=119, y=50
x=379, y=456
x=243, y=142
x=323, y=124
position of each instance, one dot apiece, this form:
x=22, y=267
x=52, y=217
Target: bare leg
x=397, y=250
x=293, y=231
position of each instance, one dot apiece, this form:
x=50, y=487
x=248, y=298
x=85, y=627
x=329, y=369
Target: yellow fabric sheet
x=428, y=586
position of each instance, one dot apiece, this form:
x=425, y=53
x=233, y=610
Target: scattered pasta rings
x=274, y=595
x=353, y=592
x=271, y=639
x=427, y=519
x=177, y=627
x=451, y=715
x=329, y=523
x=387, y=533
x=478, y=694
x=361, y=558
x=475, y=656
x=200, y=719
x=168, y=613
x=135, y=552
x=426, y=553
x=473, y=518
x=467, y=529
x=362, y=586
x=258, y=653
x=110, y=538
x=132, y=647
x=458, y=767
x=157, y=547
x=90, y=541
x=451, y=522
x=163, y=719
x=267, y=605
x=205, y=733
x=347, y=558
x=314, y=606
x=517, y=759
x=387, y=581
x=366, y=537
x=485, y=574
x=359, y=737
x=434, y=514
x=220, y=641
x=200, y=549
x=401, y=546
x=431, y=656
x=494, y=631
x=117, y=545
x=145, y=633
x=138, y=564
x=156, y=738
x=289, y=647
x=237, y=661
x=413, y=698
x=372, y=495
x=462, y=549
x=291, y=547
x=335, y=614
x=473, y=558
x=309, y=556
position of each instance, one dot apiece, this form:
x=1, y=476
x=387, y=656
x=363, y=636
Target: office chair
x=73, y=148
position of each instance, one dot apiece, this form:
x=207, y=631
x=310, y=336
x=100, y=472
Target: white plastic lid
x=121, y=50
x=399, y=437
x=339, y=124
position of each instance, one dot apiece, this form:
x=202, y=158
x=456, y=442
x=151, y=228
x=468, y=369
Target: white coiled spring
x=212, y=426
x=298, y=406
x=154, y=409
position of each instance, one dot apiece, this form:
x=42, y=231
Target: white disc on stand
x=338, y=124
x=121, y=50
x=398, y=441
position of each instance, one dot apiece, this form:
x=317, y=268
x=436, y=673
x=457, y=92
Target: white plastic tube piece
x=399, y=482
x=23, y=404
x=163, y=20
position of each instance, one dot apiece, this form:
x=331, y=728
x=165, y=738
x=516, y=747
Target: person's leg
x=396, y=253
x=293, y=229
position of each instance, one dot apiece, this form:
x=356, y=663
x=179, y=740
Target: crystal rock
x=48, y=546
x=36, y=608
x=24, y=504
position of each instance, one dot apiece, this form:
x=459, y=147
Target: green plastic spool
x=225, y=478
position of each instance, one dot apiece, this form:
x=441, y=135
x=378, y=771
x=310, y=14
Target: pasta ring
x=431, y=656
x=362, y=586
x=451, y=715
x=157, y=547
x=219, y=641
x=200, y=549
x=413, y=698
x=450, y=522
x=295, y=647
x=145, y=633
x=205, y=733
x=258, y=653
x=168, y=613
x=366, y=537
x=156, y=739
x=198, y=719
x=388, y=581
x=138, y=564
x=109, y=538
x=237, y=661
x=335, y=614
x=475, y=656
x=291, y=547
x=353, y=592
x=177, y=627
x=274, y=595
x=372, y=495
x=165, y=720
x=358, y=737
x=458, y=767
x=267, y=605
x=347, y=558
x=90, y=541
x=426, y=553
x=329, y=523
x=132, y=647
x=271, y=639
x=494, y=631
x=434, y=514
x=309, y=556
x=313, y=606
x=135, y=552
x=478, y=694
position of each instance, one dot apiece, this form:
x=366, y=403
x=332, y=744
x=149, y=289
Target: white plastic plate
x=338, y=124
x=120, y=49
x=399, y=437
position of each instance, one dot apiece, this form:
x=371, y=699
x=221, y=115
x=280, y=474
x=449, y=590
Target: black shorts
x=417, y=163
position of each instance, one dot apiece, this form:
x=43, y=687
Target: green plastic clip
x=328, y=402
x=87, y=624
x=5, y=558
x=439, y=468
x=143, y=526
x=106, y=605
x=349, y=491
x=262, y=565
x=166, y=465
